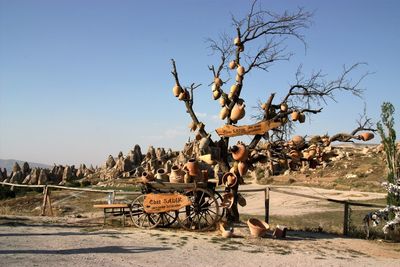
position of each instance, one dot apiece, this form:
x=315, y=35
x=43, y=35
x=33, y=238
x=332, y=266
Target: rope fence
x=346, y=203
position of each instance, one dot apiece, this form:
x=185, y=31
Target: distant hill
x=8, y=164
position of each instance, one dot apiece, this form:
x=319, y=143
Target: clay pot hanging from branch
x=302, y=117
x=237, y=41
x=284, y=107
x=216, y=94
x=218, y=82
x=239, y=152
x=224, y=113
x=222, y=101
x=366, y=136
x=177, y=90
x=233, y=91
x=239, y=79
x=240, y=70
x=238, y=112
x=232, y=65
x=184, y=95
x=242, y=168
x=295, y=115
x=193, y=126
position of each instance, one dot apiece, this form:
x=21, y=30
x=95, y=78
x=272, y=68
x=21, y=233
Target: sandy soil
x=71, y=241
x=44, y=241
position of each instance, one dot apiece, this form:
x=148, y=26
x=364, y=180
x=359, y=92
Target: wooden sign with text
x=258, y=128
x=156, y=203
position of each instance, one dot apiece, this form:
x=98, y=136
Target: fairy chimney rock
x=16, y=167
x=67, y=174
x=43, y=177
x=34, y=176
x=110, y=162
x=25, y=168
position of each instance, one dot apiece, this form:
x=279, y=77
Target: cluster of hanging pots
x=295, y=115
x=240, y=155
x=180, y=93
x=237, y=112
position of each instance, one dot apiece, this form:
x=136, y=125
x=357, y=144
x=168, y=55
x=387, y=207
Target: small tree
x=258, y=43
x=388, y=135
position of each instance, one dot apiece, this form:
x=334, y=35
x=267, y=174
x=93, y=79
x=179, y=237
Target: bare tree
x=260, y=42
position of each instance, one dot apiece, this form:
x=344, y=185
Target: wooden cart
x=196, y=206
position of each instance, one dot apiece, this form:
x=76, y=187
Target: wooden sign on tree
x=258, y=128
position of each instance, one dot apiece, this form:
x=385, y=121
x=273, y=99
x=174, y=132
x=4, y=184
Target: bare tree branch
x=364, y=123
x=317, y=89
x=189, y=100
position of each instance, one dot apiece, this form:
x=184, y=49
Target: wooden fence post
x=346, y=219
x=49, y=201
x=44, y=201
x=266, y=203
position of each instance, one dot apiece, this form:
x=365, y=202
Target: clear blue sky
x=80, y=80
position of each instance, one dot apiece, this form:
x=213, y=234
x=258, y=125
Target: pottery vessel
x=366, y=136
x=294, y=154
x=227, y=200
x=226, y=232
x=193, y=167
x=238, y=112
x=147, y=177
x=222, y=101
x=176, y=175
x=257, y=228
x=264, y=106
x=298, y=140
x=295, y=115
x=187, y=178
x=242, y=168
x=238, y=78
x=237, y=41
x=302, y=117
x=193, y=126
x=218, y=81
x=224, y=113
x=176, y=90
x=216, y=94
x=229, y=179
x=239, y=152
x=284, y=107
x=240, y=70
x=162, y=175
x=234, y=89
x=183, y=95
x=241, y=200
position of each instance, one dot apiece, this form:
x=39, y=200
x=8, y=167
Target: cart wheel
x=168, y=218
x=221, y=210
x=202, y=214
x=142, y=219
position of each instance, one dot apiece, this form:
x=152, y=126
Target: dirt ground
x=45, y=241
x=79, y=239
x=286, y=204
